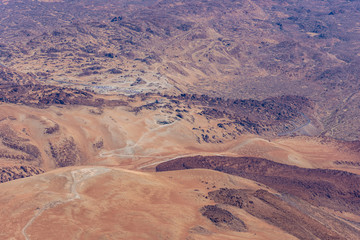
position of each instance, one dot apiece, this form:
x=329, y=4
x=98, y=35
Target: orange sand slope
x=62, y=136
x=112, y=203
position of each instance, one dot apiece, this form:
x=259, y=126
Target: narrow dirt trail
x=130, y=149
x=77, y=176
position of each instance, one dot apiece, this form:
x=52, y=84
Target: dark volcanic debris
x=16, y=172
x=333, y=189
x=274, y=210
x=304, y=194
x=11, y=77
x=272, y=116
x=45, y=95
x=65, y=153
x=223, y=218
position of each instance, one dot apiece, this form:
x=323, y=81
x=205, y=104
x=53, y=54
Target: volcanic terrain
x=164, y=119
x=231, y=49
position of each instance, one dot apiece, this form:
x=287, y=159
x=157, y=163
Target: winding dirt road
x=130, y=148
x=77, y=176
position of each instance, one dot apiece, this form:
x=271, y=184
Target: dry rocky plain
x=168, y=119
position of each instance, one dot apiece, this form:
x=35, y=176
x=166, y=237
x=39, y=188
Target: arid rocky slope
x=11, y=77
x=64, y=127
x=113, y=203
x=239, y=50
x=166, y=119
x=307, y=196
x=187, y=204
x=50, y=126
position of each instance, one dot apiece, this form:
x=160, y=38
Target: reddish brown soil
x=274, y=210
x=334, y=189
x=123, y=204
